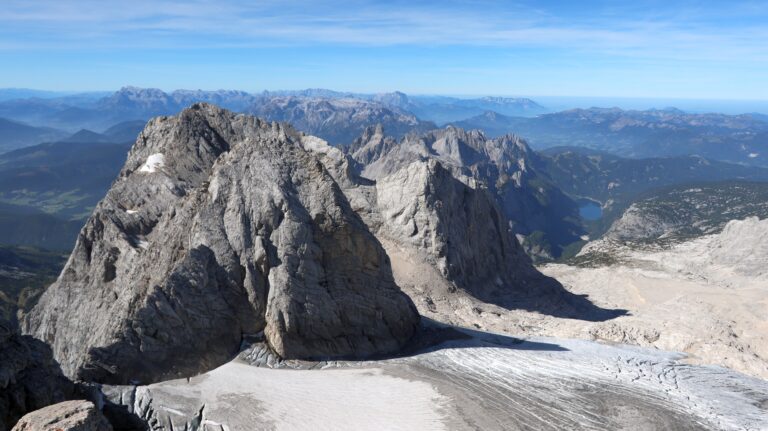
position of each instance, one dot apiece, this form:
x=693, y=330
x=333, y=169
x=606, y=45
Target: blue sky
x=670, y=49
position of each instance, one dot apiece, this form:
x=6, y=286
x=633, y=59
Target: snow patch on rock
x=317, y=145
x=153, y=163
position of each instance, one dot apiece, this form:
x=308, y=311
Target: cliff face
x=30, y=379
x=219, y=225
x=506, y=167
x=450, y=242
x=459, y=228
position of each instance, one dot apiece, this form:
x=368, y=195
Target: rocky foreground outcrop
x=219, y=225
x=29, y=377
x=78, y=415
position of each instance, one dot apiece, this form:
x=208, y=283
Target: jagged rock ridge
x=506, y=167
x=450, y=243
x=219, y=225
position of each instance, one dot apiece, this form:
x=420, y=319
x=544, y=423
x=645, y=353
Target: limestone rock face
x=506, y=167
x=458, y=227
x=423, y=205
x=29, y=377
x=637, y=225
x=79, y=415
x=371, y=145
x=219, y=225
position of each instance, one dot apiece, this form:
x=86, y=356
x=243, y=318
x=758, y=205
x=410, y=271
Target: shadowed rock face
x=29, y=377
x=219, y=225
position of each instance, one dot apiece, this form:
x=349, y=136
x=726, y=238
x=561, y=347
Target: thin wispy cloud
x=190, y=25
x=685, y=45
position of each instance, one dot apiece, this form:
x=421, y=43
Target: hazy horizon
x=552, y=103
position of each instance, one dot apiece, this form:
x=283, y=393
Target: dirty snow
x=153, y=163
x=489, y=382
x=317, y=145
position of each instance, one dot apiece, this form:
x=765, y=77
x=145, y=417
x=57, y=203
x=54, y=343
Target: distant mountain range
x=651, y=133
x=338, y=121
x=438, y=109
x=62, y=178
x=57, y=184
x=442, y=110
x=604, y=177
x=339, y=117
x=335, y=116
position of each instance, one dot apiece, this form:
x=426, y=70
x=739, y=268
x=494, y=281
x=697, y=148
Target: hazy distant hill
x=679, y=213
x=603, y=176
x=652, y=133
x=125, y=132
x=20, y=225
x=65, y=179
x=25, y=93
x=97, y=111
x=16, y=135
x=442, y=110
x=615, y=182
x=491, y=122
x=47, y=190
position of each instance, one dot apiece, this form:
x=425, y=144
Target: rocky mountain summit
x=219, y=225
x=505, y=167
x=450, y=242
x=222, y=226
